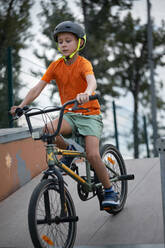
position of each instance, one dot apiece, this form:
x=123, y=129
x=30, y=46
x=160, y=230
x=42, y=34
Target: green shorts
x=85, y=124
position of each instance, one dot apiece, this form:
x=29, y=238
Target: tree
x=130, y=65
x=101, y=24
x=53, y=12
x=14, y=25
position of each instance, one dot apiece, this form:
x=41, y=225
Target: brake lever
x=75, y=107
x=80, y=108
x=15, y=118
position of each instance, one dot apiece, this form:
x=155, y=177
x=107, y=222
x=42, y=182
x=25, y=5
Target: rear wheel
x=113, y=159
x=44, y=207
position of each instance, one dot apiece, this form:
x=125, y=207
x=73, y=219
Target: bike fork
x=63, y=215
x=55, y=171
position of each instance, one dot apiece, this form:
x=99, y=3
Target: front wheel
x=115, y=167
x=44, y=207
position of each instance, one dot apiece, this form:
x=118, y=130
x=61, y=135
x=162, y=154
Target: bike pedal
x=67, y=219
x=126, y=177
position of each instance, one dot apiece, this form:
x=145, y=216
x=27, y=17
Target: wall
x=21, y=159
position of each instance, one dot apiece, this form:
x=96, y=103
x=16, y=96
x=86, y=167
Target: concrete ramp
x=141, y=220
x=139, y=225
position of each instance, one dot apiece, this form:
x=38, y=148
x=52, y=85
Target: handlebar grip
x=19, y=111
x=25, y=108
x=94, y=97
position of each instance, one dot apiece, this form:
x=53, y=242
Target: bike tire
x=116, y=162
x=50, y=235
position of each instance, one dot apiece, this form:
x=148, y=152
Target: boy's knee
x=93, y=156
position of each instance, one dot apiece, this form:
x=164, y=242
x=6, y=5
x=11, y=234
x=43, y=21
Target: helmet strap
x=66, y=58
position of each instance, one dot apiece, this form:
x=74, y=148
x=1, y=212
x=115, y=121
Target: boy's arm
x=31, y=96
x=91, y=87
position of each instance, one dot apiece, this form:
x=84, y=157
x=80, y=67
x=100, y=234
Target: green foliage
x=52, y=13
x=14, y=25
x=101, y=19
x=130, y=65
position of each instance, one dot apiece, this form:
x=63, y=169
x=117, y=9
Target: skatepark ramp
x=140, y=224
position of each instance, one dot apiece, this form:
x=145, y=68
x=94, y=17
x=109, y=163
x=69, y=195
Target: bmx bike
x=52, y=216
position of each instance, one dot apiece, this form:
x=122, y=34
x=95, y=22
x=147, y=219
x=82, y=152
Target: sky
x=157, y=10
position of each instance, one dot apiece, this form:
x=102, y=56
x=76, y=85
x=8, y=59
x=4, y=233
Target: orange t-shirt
x=71, y=80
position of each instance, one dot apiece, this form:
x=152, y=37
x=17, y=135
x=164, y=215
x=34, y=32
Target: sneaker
x=67, y=160
x=110, y=198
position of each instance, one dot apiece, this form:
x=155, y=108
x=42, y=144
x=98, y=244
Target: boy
x=75, y=79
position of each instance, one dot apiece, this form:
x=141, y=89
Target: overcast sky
x=157, y=11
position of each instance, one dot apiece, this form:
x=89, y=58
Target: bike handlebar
x=26, y=111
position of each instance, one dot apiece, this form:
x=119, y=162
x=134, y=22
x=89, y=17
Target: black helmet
x=74, y=28
x=70, y=27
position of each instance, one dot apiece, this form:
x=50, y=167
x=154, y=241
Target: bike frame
x=52, y=160
x=52, y=156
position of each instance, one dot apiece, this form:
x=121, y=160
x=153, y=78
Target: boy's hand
x=13, y=109
x=82, y=98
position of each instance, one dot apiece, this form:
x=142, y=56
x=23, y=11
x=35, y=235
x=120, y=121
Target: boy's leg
x=93, y=156
x=65, y=130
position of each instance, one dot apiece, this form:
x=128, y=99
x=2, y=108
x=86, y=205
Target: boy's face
x=67, y=42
